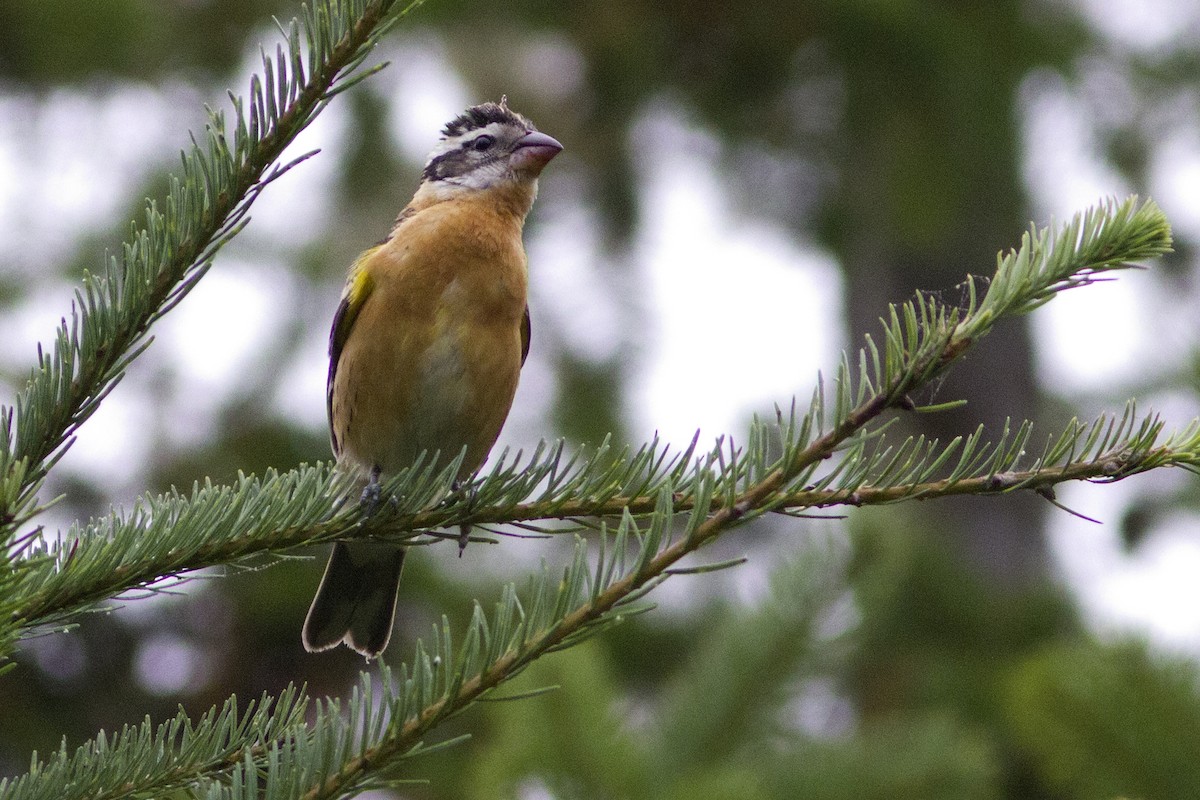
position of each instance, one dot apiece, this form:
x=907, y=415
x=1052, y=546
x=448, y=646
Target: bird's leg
x=370, y=495
x=464, y=530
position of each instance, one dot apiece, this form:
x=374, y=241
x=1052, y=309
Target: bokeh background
x=744, y=189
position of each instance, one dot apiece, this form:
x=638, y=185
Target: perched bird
x=427, y=345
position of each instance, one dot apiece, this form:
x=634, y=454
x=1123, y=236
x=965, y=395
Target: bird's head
x=488, y=146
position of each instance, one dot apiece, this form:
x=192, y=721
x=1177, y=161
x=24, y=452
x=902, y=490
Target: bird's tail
x=356, y=602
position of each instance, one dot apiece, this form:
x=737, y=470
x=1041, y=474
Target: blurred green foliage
x=889, y=132
x=1108, y=721
x=48, y=44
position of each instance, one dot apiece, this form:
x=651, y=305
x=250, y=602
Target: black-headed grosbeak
x=427, y=345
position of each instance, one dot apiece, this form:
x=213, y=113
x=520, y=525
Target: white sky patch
x=1109, y=333
x=744, y=317
x=33, y=321
x=302, y=199
x=567, y=309
x=222, y=324
x=749, y=323
x=14, y=111
x=1098, y=338
x=166, y=664
x=301, y=393
x=1160, y=575
x=1063, y=167
x=1144, y=26
x=69, y=161
x=425, y=94
x=113, y=446
x=1175, y=173
x=532, y=407
x=1152, y=591
x=552, y=67
x=217, y=334
x=565, y=282
x=69, y=173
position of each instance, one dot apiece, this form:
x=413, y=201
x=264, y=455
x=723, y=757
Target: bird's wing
x=358, y=289
x=526, y=332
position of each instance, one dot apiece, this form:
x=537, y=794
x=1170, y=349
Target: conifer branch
x=162, y=260
x=149, y=761
x=173, y=534
x=724, y=490
x=918, y=352
x=667, y=506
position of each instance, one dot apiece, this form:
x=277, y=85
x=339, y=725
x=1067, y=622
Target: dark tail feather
x=356, y=602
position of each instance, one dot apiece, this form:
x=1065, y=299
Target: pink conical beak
x=533, y=151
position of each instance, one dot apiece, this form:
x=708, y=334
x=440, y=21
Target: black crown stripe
x=481, y=116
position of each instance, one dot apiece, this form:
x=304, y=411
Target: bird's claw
x=370, y=499
x=464, y=530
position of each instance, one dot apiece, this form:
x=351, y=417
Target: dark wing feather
x=358, y=288
x=526, y=332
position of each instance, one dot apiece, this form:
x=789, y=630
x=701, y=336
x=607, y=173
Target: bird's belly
x=454, y=393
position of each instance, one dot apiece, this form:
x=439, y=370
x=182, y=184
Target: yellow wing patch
x=358, y=289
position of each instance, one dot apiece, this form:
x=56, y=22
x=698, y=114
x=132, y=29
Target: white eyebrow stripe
x=455, y=142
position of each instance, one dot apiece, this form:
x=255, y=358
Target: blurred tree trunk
x=931, y=190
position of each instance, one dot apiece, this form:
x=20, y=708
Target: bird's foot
x=464, y=536
x=371, y=494
x=464, y=530
x=370, y=499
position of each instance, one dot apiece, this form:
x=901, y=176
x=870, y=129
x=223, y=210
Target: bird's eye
x=484, y=142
